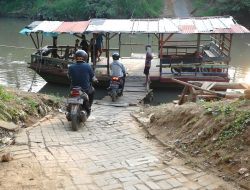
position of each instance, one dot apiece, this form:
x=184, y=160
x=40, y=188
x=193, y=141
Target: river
x=15, y=50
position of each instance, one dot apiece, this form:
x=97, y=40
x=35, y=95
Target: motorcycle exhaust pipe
x=83, y=116
x=68, y=116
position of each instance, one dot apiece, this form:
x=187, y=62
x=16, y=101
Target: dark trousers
x=87, y=104
x=123, y=78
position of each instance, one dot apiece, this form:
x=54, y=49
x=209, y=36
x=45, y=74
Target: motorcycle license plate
x=75, y=101
x=114, y=85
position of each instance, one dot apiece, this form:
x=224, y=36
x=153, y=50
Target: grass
x=19, y=107
x=4, y=95
x=231, y=111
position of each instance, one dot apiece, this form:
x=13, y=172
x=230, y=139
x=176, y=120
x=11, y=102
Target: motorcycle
x=115, y=88
x=76, y=111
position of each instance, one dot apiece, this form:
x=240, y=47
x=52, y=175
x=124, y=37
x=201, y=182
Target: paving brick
x=174, y=182
x=161, y=177
x=108, y=152
x=129, y=188
x=152, y=185
x=164, y=185
x=141, y=187
x=112, y=187
x=155, y=173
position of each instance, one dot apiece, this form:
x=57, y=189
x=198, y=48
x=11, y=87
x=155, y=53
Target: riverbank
x=213, y=135
x=20, y=109
x=25, y=107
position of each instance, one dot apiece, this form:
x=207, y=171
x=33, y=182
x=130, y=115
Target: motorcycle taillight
x=75, y=92
x=115, y=78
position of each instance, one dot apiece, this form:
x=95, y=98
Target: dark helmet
x=116, y=56
x=81, y=55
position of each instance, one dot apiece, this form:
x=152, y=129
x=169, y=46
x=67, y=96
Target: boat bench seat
x=209, y=53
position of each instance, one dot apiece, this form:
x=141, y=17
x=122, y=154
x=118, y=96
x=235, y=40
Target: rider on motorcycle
x=81, y=74
x=118, y=69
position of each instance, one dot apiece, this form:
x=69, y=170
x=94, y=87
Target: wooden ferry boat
x=189, y=49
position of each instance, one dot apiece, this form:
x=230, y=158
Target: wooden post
x=193, y=94
x=107, y=36
x=119, y=44
x=94, y=52
x=33, y=41
x=161, y=53
x=37, y=38
x=182, y=98
x=198, y=43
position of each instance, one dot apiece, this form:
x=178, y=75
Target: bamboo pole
x=219, y=94
x=197, y=87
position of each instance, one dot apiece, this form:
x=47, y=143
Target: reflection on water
x=13, y=61
x=16, y=74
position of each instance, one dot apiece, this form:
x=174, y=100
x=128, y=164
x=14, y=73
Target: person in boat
x=54, y=53
x=85, y=46
x=99, y=45
x=81, y=74
x=67, y=53
x=93, y=50
x=148, y=60
x=76, y=45
x=118, y=69
x=45, y=51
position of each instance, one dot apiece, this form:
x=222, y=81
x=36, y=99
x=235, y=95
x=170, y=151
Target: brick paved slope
x=109, y=152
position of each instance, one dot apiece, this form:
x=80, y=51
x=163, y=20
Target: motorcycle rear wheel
x=75, y=122
x=113, y=98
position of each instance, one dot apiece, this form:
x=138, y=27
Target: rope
x=33, y=79
x=40, y=65
x=16, y=47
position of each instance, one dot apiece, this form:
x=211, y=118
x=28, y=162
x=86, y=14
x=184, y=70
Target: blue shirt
x=117, y=69
x=99, y=41
x=81, y=74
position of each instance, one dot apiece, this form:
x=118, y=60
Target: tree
x=240, y=9
x=84, y=9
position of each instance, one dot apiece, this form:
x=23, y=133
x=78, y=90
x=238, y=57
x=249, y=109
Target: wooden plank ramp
x=134, y=93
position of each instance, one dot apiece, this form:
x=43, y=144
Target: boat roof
x=187, y=25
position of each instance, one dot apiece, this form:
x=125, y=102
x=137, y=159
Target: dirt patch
x=23, y=109
x=25, y=174
x=213, y=134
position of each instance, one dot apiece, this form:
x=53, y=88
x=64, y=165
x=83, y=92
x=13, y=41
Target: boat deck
x=135, y=67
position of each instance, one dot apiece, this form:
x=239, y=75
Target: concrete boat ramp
x=134, y=92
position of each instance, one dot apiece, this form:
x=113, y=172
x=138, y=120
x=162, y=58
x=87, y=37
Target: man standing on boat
x=148, y=59
x=81, y=74
x=85, y=46
x=99, y=45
